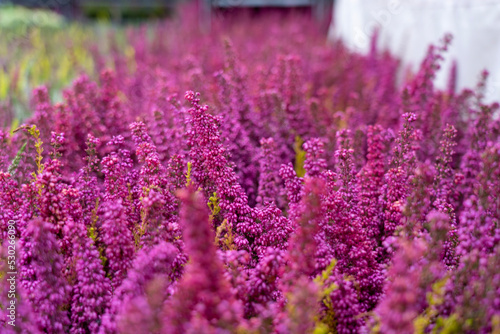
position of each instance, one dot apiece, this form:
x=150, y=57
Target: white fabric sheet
x=407, y=27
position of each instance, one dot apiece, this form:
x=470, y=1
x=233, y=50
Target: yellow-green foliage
x=375, y=329
x=52, y=56
x=321, y=328
x=92, y=232
x=300, y=156
x=434, y=299
x=35, y=133
x=14, y=126
x=322, y=279
x=213, y=205
x=4, y=84
x=138, y=233
x=40, y=47
x=327, y=324
x=448, y=325
x=188, y=174
x=21, y=18
x=224, y=236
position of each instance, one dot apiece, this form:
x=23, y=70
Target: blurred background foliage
x=42, y=47
x=52, y=46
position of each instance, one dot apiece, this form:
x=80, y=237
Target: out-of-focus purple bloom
x=138, y=301
x=203, y=294
x=41, y=276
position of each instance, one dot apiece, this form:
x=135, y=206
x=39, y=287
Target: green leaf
x=15, y=163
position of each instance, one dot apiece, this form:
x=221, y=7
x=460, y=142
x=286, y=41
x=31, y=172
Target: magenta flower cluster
x=268, y=183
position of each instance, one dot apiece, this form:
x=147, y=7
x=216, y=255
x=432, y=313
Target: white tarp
x=407, y=27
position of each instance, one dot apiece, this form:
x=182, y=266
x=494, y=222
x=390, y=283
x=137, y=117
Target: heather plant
x=303, y=294
x=42, y=277
x=204, y=300
x=297, y=188
x=269, y=183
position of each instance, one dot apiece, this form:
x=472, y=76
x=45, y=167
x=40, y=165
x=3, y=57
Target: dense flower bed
x=253, y=180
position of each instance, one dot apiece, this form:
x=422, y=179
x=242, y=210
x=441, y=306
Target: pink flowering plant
x=253, y=180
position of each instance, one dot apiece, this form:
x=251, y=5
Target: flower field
x=254, y=179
